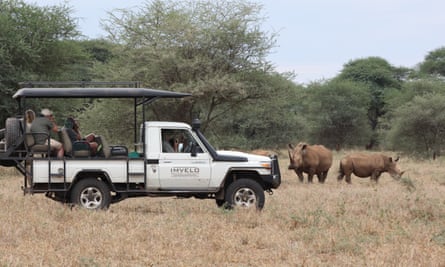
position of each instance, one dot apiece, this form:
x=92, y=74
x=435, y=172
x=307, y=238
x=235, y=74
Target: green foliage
x=419, y=125
x=217, y=51
x=31, y=35
x=434, y=63
x=397, y=98
x=212, y=49
x=380, y=77
x=36, y=44
x=337, y=112
x=271, y=121
x=99, y=50
x=98, y=118
x=373, y=70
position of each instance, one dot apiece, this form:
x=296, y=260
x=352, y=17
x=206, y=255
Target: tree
x=35, y=45
x=193, y=46
x=212, y=49
x=423, y=129
x=337, y=113
x=378, y=76
x=434, y=63
x=271, y=121
x=411, y=89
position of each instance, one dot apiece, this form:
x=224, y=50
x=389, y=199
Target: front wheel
x=245, y=193
x=91, y=194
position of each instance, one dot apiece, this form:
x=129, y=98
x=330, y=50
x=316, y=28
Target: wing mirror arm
x=193, y=150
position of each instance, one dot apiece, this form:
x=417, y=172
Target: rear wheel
x=245, y=193
x=91, y=194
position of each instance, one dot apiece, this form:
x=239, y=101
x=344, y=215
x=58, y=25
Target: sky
x=315, y=38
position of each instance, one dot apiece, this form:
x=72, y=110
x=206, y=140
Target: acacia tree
x=207, y=48
x=337, y=113
x=36, y=44
x=434, y=63
x=379, y=77
x=419, y=125
x=271, y=121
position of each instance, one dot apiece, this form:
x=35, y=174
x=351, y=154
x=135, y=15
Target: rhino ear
x=391, y=160
x=290, y=146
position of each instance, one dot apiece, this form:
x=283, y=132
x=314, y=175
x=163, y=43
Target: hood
x=250, y=157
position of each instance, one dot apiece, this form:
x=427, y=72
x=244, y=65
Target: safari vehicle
x=184, y=165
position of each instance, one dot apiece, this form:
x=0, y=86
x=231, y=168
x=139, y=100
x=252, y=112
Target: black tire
x=12, y=132
x=91, y=194
x=245, y=193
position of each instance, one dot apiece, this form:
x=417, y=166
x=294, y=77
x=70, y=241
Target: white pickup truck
x=169, y=159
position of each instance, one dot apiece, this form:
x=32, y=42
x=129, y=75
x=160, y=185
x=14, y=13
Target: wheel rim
x=91, y=198
x=245, y=197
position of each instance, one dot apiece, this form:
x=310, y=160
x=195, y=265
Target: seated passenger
x=72, y=128
x=29, y=118
x=41, y=127
x=169, y=142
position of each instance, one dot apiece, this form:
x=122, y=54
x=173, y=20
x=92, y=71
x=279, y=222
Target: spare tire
x=14, y=129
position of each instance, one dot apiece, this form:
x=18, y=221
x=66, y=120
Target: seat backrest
x=81, y=149
x=30, y=143
x=105, y=148
x=66, y=141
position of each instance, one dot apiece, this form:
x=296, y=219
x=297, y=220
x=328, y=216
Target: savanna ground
x=393, y=223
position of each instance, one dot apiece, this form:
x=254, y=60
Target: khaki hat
x=46, y=112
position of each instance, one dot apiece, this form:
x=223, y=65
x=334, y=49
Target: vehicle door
x=179, y=169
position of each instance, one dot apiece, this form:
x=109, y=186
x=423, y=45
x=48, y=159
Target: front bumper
x=273, y=180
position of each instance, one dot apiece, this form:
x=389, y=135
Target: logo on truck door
x=184, y=171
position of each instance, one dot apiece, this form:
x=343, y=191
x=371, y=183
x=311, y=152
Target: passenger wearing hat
x=41, y=127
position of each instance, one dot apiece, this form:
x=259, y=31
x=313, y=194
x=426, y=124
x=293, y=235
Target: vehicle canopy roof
x=94, y=92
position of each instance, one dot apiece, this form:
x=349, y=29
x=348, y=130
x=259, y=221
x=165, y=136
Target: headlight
x=266, y=165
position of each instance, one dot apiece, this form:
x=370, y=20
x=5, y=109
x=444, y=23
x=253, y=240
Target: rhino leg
x=340, y=177
x=310, y=177
x=322, y=177
x=325, y=175
x=300, y=176
x=348, y=178
x=375, y=176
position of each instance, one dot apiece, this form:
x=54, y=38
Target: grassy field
x=393, y=223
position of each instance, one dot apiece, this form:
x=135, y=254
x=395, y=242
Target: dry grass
x=393, y=223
